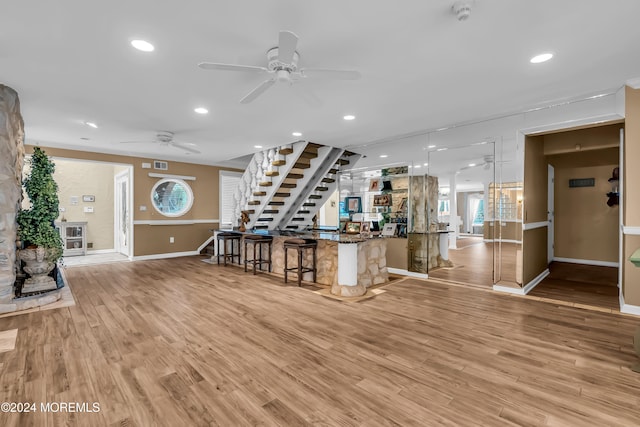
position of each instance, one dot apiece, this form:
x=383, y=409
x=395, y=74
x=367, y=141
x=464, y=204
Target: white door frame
x=550, y=213
x=126, y=177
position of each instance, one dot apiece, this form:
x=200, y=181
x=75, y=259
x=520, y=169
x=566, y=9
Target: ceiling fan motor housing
x=274, y=64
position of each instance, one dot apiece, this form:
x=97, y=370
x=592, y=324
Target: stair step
x=295, y=176
x=250, y=211
x=315, y=196
x=253, y=202
x=285, y=151
x=281, y=162
x=329, y=180
x=288, y=185
x=265, y=219
x=292, y=227
x=265, y=184
x=348, y=153
x=270, y=211
x=342, y=162
x=307, y=155
x=272, y=173
x=260, y=227
x=319, y=189
x=272, y=203
x=304, y=212
x=308, y=204
x=297, y=219
x=333, y=170
x=281, y=194
x=259, y=193
x=302, y=165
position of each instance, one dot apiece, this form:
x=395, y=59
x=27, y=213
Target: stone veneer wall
x=424, y=249
x=372, y=261
x=11, y=161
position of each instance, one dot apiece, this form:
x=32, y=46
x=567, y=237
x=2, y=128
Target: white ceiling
x=71, y=62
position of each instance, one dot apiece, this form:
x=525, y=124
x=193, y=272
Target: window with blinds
x=229, y=181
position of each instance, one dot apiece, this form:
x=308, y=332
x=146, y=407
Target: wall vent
x=163, y=166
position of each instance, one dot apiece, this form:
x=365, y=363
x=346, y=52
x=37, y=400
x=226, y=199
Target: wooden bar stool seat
x=229, y=249
x=300, y=245
x=257, y=241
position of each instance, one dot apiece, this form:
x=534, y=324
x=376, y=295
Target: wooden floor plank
x=182, y=342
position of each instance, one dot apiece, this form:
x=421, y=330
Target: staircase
x=283, y=188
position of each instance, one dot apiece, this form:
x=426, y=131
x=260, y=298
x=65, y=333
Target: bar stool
x=257, y=241
x=300, y=245
x=229, y=255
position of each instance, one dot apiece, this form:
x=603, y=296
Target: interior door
x=550, y=214
x=122, y=221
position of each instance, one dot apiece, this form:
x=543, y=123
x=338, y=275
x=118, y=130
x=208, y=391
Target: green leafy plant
x=36, y=224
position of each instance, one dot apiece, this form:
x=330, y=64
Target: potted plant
x=42, y=246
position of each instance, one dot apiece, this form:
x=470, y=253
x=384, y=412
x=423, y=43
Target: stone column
x=11, y=160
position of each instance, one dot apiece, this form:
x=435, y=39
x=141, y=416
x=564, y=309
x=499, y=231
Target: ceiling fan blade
x=330, y=74
x=231, y=67
x=287, y=44
x=134, y=142
x=185, y=147
x=307, y=95
x=257, y=91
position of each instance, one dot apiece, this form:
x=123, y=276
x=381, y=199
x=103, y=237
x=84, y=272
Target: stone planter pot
x=38, y=266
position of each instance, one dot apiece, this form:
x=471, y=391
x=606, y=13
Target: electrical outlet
x=171, y=239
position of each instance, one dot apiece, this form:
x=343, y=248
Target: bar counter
x=349, y=263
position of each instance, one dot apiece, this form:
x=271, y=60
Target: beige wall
x=149, y=240
x=534, y=243
x=76, y=179
x=586, y=228
x=590, y=138
x=631, y=171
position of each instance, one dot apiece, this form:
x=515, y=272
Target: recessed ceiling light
x=417, y=166
x=142, y=45
x=543, y=57
x=296, y=133
x=91, y=125
x=201, y=110
x=431, y=146
x=383, y=155
x=471, y=165
x=349, y=117
x=442, y=149
x=426, y=164
x=257, y=146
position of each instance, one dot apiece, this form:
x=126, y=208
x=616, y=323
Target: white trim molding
x=408, y=273
x=587, y=262
x=631, y=230
x=526, y=289
x=166, y=255
x=100, y=251
x=630, y=309
x=205, y=244
x=175, y=221
x=634, y=83
x=501, y=241
x=166, y=175
x=534, y=225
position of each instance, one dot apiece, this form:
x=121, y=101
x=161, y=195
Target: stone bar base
x=371, y=263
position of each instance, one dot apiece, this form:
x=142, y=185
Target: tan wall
x=397, y=253
x=535, y=180
x=586, y=227
x=503, y=230
x=155, y=239
x=534, y=247
x=591, y=138
x=76, y=179
x=631, y=172
x=631, y=278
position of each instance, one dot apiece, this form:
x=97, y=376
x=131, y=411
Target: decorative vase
x=38, y=266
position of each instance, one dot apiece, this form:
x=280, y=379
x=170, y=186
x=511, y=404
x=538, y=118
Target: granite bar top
x=333, y=236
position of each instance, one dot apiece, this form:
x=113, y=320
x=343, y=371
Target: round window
x=172, y=197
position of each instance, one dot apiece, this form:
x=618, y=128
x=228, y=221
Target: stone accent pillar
x=11, y=161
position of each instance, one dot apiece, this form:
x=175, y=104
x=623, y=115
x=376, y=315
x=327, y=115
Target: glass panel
x=461, y=185
x=172, y=197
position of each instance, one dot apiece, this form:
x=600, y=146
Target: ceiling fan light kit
x=282, y=67
x=462, y=9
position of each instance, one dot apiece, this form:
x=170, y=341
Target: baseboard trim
x=167, y=255
x=402, y=272
x=526, y=289
x=534, y=225
x=205, y=244
x=587, y=262
x=100, y=251
x=502, y=240
x=630, y=309
x=631, y=230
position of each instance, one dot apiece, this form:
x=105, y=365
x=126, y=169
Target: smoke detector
x=462, y=10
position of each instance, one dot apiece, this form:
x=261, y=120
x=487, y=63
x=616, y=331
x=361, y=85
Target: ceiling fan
x=486, y=163
x=282, y=66
x=165, y=138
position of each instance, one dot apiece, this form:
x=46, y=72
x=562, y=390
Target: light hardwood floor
x=179, y=342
